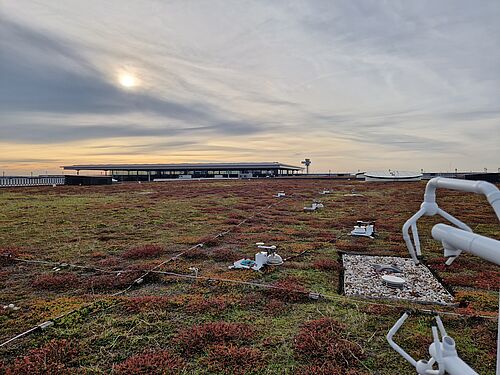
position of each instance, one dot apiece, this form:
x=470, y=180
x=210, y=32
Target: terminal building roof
x=183, y=166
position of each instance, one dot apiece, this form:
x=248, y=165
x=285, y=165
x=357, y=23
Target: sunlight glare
x=127, y=80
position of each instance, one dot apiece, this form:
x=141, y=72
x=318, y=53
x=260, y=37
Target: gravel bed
x=361, y=280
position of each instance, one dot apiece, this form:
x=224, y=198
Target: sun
x=127, y=80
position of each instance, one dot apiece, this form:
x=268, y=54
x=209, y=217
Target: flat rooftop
x=183, y=166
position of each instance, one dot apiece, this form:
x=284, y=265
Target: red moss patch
x=321, y=341
x=202, y=305
x=144, y=251
x=288, y=290
x=230, y=359
x=326, y=237
x=110, y=261
x=209, y=241
x=196, y=338
x=378, y=309
x=477, y=300
x=275, y=307
x=458, y=279
x=56, y=281
x=111, y=281
x=252, y=299
x=225, y=254
x=235, y=215
x=154, y=363
x=148, y=303
x=328, y=369
x=232, y=221
x=327, y=264
x=489, y=280
x=55, y=358
x=195, y=253
x=357, y=245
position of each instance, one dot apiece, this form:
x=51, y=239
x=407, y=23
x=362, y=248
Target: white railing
x=19, y=181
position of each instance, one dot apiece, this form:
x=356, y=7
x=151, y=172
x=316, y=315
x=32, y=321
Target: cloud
x=29, y=160
x=407, y=142
x=45, y=74
x=42, y=73
x=57, y=133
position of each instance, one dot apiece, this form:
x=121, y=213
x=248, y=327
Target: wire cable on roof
x=316, y=295
x=140, y=280
x=135, y=282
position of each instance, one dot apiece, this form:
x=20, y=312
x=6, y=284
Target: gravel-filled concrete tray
x=361, y=279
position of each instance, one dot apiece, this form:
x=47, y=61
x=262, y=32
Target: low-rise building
x=151, y=172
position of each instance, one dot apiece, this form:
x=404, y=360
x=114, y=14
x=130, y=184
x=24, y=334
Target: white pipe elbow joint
x=423, y=367
x=430, y=208
x=492, y=195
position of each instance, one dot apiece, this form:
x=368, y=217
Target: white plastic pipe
x=410, y=223
x=416, y=239
x=484, y=247
x=395, y=346
x=479, y=187
x=455, y=366
x=454, y=241
x=458, y=239
x=449, y=359
x=453, y=220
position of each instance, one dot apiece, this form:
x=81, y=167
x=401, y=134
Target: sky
x=352, y=85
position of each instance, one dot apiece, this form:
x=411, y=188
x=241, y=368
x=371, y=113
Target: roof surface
x=392, y=174
x=261, y=165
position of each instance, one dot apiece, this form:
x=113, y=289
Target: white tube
x=416, y=239
x=480, y=187
x=484, y=247
x=453, y=220
x=442, y=330
x=455, y=366
x=446, y=355
x=395, y=346
x=406, y=235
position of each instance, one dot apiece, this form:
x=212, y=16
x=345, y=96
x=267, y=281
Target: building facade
x=152, y=172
